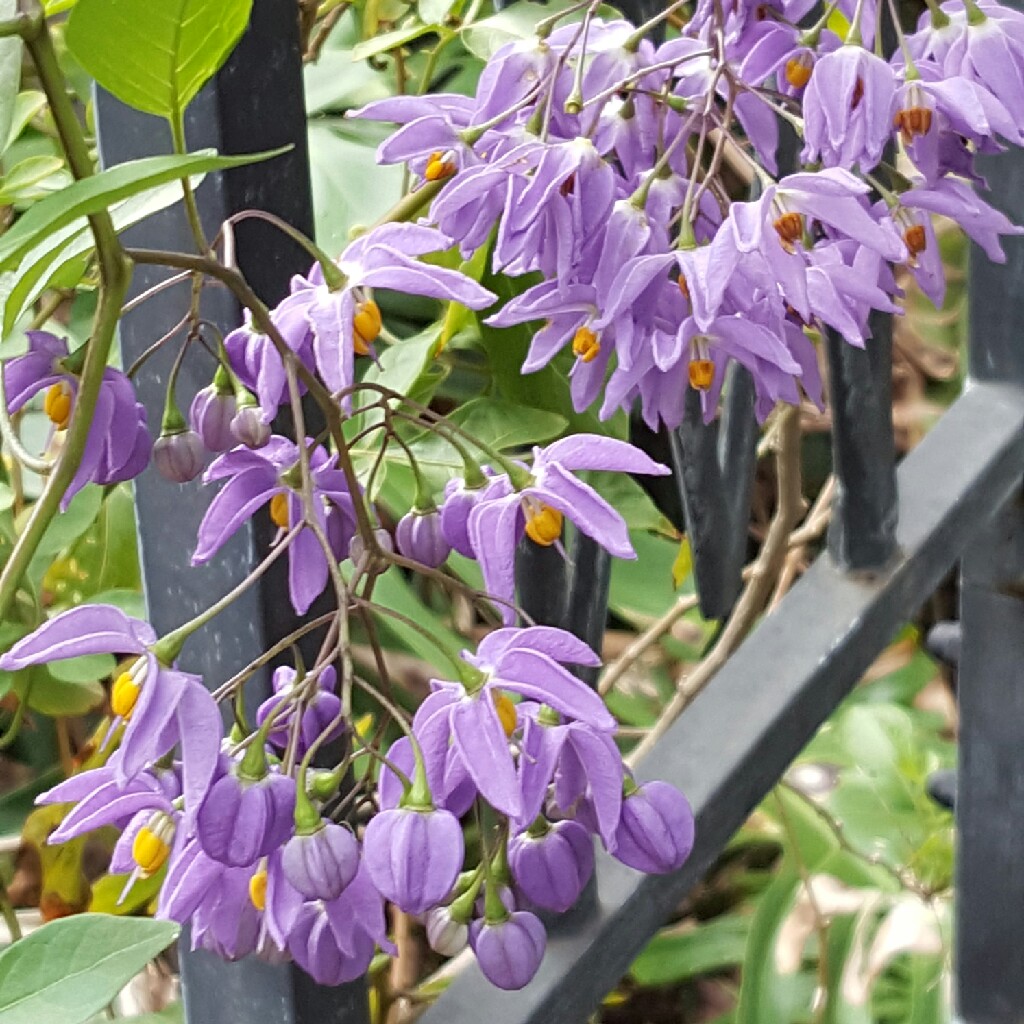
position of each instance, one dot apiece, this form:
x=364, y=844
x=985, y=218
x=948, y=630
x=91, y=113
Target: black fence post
x=255, y=103
x=989, y=931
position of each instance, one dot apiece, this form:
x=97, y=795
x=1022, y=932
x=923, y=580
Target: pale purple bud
x=509, y=952
x=655, y=833
x=210, y=416
x=179, y=457
x=250, y=428
x=445, y=934
x=458, y=503
x=419, y=536
x=505, y=894
x=552, y=869
x=357, y=548
x=414, y=857
x=322, y=864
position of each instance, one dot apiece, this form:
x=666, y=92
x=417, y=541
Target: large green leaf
x=43, y=262
x=70, y=969
x=50, y=695
x=103, y=190
x=155, y=56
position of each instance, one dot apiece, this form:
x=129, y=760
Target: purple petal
x=482, y=742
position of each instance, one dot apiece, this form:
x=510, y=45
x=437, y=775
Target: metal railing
x=958, y=495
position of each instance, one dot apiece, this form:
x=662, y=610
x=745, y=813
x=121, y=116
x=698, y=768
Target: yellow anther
x=57, y=404
x=912, y=121
x=125, y=694
x=258, y=888
x=279, y=510
x=440, y=165
x=702, y=373
x=152, y=844
x=790, y=228
x=506, y=712
x=916, y=239
x=366, y=326
x=543, y=524
x=585, y=344
x=798, y=70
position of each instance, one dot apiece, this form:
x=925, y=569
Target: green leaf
x=44, y=262
x=17, y=804
x=10, y=70
x=71, y=523
x=131, y=602
x=70, y=969
x=155, y=56
x=673, y=956
x=56, y=697
x=433, y=12
x=107, y=893
x=349, y=188
x=26, y=106
x=391, y=40
x=518, y=21
x=100, y=191
x=28, y=179
x=86, y=668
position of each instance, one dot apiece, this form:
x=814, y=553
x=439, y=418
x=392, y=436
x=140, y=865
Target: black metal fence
x=957, y=498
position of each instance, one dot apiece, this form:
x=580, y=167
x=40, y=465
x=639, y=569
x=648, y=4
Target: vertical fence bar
x=990, y=785
x=862, y=533
x=255, y=103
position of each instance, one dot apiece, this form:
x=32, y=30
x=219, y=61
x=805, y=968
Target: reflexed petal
x=88, y=629
x=580, y=503
x=481, y=740
x=594, y=451
x=233, y=505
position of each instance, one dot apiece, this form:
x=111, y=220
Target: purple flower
x=552, y=869
x=419, y=536
x=478, y=720
x=321, y=864
x=118, y=444
x=459, y=501
x=509, y=952
x=451, y=787
x=256, y=478
x=413, y=856
x=243, y=819
x=655, y=833
x=446, y=934
x=321, y=708
x=848, y=109
x=250, y=427
x=345, y=320
x=161, y=706
x=550, y=492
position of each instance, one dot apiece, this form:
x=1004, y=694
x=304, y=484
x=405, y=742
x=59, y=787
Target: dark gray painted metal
x=256, y=103
x=990, y=787
x=714, y=471
x=862, y=533
x=989, y=934
x=742, y=732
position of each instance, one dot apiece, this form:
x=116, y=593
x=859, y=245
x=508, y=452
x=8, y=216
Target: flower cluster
x=594, y=157
x=254, y=860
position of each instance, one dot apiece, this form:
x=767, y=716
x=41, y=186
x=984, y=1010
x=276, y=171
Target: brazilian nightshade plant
x=630, y=198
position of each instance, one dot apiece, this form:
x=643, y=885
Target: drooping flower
x=256, y=478
x=549, y=492
x=477, y=718
x=321, y=708
x=321, y=864
x=848, y=109
x=118, y=444
x=179, y=456
x=211, y=413
x=419, y=536
x=159, y=706
x=343, y=316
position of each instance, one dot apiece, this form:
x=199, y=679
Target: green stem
x=195, y=222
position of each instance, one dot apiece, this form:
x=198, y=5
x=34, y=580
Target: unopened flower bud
x=179, y=457
x=414, y=856
x=359, y=555
x=509, y=952
x=445, y=934
x=322, y=864
x=210, y=416
x=419, y=536
x=655, y=832
x=250, y=428
x=552, y=869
